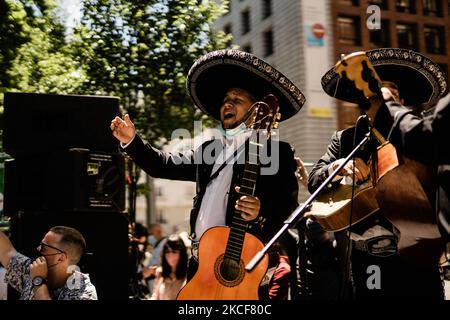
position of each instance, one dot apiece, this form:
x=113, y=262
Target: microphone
x=363, y=122
x=363, y=125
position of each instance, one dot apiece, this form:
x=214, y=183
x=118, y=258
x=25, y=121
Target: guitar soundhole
x=229, y=269
x=228, y=272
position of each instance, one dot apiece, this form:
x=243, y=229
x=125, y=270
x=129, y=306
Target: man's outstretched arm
x=6, y=250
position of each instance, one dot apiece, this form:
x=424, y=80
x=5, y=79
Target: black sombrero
x=214, y=73
x=420, y=80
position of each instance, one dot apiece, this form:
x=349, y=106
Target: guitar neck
x=247, y=188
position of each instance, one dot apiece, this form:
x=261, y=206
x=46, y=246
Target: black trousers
x=398, y=280
x=192, y=268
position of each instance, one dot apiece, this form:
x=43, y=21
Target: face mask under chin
x=229, y=133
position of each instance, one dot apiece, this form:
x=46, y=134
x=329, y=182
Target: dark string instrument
x=402, y=188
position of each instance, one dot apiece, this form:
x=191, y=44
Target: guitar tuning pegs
x=276, y=125
x=278, y=116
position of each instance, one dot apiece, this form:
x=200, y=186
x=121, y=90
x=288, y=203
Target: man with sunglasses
x=54, y=274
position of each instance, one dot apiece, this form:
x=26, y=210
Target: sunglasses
x=42, y=245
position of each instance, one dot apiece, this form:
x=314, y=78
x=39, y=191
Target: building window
x=435, y=39
x=266, y=8
x=349, y=31
x=227, y=29
x=161, y=217
x=383, y=4
x=352, y=3
x=407, y=36
x=247, y=48
x=406, y=6
x=268, y=43
x=381, y=38
x=432, y=8
x=245, y=17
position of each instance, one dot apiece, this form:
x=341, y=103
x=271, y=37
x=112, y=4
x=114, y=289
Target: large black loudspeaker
x=67, y=171
x=106, y=234
x=73, y=180
x=40, y=123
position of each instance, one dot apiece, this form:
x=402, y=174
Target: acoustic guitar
x=332, y=208
x=224, y=251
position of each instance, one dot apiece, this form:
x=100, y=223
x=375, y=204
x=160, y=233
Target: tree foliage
x=34, y=56
x=141, y=51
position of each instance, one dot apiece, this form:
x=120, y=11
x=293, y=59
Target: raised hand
x=391, y=94
x=123, y=129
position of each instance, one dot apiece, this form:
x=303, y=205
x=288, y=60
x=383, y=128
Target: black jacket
x=426, y=139
x=277, y=193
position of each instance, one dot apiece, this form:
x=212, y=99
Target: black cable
x=346, y=273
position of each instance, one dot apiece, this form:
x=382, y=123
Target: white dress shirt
x=212, y=211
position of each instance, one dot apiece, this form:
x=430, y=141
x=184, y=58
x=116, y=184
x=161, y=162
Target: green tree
x=34, y=56
x=141, y=51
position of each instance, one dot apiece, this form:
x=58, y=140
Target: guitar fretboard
x=247, y=188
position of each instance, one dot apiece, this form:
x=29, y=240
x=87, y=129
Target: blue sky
x=70, y=10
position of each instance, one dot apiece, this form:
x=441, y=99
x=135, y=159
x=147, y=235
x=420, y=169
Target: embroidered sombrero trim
x=251, y=63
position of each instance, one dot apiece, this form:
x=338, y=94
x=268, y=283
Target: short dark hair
x=72, y=238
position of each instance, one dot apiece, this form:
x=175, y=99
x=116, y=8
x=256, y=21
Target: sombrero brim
x=420, y=80
x=214, y=73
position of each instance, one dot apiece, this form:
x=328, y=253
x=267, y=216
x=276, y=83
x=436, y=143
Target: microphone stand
x=133, y=193
x=301, y=210
x=134, y=288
